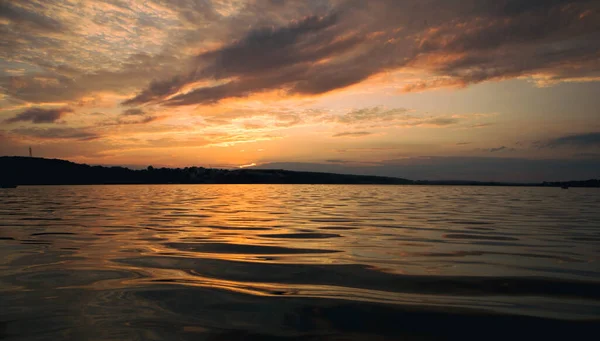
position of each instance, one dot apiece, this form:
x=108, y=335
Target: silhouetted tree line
x=40, y=171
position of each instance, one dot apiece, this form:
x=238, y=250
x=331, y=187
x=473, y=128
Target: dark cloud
x=24, y=18
x=133, y=112
x=40, y=115
x=442, y=121
x=135, y=116
x=300, y=47
x=507, y=8
x=373, y=114
x=338, y=161
x=521, y=28
x=553, y=38
x=353, y=134
x=481, y=125
x=497, y=149
x=79, y=134
x=585, y=140
x=266, y=48
x=159, y=89
x=464, y=41
x=266, y=58
x=140, y=120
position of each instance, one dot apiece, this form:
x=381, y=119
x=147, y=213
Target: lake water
x=271, y=262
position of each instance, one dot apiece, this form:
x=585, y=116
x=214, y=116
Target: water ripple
x=233, y=262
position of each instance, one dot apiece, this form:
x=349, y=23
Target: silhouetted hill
x=583, y=183
x=40, y=171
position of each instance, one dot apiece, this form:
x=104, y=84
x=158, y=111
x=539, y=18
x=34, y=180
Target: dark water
x=260, y=262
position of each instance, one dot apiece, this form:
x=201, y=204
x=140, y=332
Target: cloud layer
x=193, y=52
x=40, y=115
x=585, y=140
x=467, y=42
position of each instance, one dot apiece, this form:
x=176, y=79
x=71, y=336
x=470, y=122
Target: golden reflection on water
x=407, y=245
x=397, y=229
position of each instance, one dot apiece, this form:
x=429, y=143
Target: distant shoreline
x=295, y=184
x=28, y=171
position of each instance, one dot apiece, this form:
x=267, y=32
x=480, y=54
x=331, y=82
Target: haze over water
x=233, y=262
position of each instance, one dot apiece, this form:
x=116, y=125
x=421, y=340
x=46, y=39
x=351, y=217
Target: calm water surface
x=262, y=262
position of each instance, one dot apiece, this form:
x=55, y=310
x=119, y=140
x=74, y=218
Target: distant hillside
x=40, y=171
x=582, y=183
x=458, y=169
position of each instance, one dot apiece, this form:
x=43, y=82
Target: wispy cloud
x=481, y=125
x=126, y=120
x=374, y=114
x=353, y=134
x=395, y=117
x=584, y=140
x=40, y=115
x=133, y=112
x=497, y=149
x=338, y=161
x=80, y=134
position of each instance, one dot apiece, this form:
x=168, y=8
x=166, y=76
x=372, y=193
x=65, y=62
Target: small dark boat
x=564, y=187
x=8, y=186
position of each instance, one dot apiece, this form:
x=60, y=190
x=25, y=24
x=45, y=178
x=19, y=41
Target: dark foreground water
x=261, y=262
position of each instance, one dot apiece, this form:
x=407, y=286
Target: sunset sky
x=479, y=89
